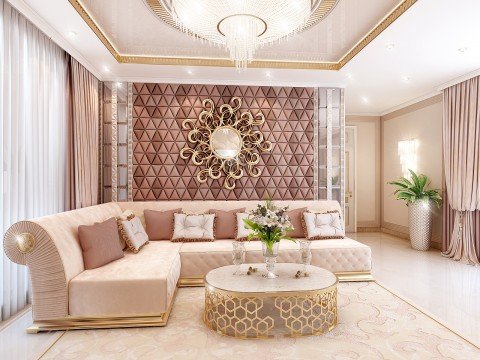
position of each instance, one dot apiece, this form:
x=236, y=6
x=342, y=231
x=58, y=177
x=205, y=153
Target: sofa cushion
x=296, y=218
x=319, y=226
x=193, y=227
x=159, y=224
x=242, y=231
x=133, y=233
x=100, y=243
x=142, y=283
x=341, y=255
x=225, y=223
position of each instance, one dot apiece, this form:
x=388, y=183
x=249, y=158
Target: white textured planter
x=420, y=224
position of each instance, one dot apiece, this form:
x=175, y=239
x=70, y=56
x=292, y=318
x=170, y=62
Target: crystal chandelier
x=242, y=26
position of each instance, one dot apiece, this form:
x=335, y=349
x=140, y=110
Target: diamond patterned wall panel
x=159, y=173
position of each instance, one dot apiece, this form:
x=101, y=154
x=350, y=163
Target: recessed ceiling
x=426, y=41
x=135, y=31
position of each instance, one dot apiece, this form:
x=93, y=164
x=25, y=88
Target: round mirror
x=226, y=142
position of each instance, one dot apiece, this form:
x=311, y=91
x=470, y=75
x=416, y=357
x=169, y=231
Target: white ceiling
x=134, y=29
x=427, y=38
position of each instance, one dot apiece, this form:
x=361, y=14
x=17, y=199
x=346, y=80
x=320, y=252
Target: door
x=350, y=179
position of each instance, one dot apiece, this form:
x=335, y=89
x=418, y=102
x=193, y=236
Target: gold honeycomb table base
x=264, y=315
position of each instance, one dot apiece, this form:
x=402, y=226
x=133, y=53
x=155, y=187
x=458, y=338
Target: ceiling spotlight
x=106, y=69
x=349, y=76
x=72, y=34
x=406, y=78
x=462, y=49
x=268, y=74
x=189, y=71
x=365, y=99
x=390, y=46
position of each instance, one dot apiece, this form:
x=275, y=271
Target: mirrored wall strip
x=315, y=143
x=329, y=142
x=129, y=142
x=342, y=149
x=100, y=142
x=114, y=144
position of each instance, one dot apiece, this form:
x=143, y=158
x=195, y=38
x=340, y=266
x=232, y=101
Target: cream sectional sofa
x=139, y=289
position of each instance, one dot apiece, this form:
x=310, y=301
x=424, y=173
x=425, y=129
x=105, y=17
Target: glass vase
x=270, y=256
x=305, y=253
x=238, y=255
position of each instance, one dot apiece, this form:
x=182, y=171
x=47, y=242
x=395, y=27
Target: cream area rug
x=373, y=324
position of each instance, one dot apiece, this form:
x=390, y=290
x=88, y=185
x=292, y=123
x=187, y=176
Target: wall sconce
x=407, y=151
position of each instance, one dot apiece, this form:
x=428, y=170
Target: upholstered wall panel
x=159, y=173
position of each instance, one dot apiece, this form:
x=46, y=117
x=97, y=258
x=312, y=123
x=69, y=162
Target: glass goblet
x=238, y=255
x=306, y=253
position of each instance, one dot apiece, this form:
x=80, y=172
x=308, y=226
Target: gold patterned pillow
x=191, y=228
x=327, y=225
x=133, y=233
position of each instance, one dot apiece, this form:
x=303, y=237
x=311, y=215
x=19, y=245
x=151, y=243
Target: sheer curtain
x=33, y=132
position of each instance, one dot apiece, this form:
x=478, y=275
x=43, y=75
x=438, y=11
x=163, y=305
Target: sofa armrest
x=50, y=248
x=27, y=243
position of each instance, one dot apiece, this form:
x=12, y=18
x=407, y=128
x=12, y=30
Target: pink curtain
x=449, y=223
x=461, y=151
x=83, y=137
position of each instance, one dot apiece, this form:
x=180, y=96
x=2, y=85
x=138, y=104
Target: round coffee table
x=252, y=307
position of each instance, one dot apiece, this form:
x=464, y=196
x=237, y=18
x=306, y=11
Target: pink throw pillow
x=100, y=243
x=159, y=224
x=225, y=223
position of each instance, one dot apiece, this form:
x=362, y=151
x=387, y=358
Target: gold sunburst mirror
x=225, y=142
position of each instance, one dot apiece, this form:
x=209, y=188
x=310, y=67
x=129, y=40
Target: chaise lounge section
x=139, y=289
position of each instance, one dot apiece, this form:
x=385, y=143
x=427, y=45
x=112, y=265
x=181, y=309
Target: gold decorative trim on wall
x=114, y=145
x=274, y=64
x=248, y=142
x=129, y=142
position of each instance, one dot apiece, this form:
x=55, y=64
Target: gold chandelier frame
x=203, y=154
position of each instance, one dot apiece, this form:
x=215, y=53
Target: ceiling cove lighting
x=390, y=46
x=241, y=26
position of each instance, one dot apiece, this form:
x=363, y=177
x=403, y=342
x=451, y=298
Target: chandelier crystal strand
x=242, y=26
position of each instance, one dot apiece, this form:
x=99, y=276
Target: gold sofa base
x=103, y=322
x=79, y=323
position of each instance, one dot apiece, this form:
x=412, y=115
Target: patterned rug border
x=428, y=314
x=381, y=286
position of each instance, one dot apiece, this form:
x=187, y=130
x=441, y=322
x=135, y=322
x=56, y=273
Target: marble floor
x=446, y=290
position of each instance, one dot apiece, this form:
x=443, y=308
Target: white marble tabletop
x=223, y=278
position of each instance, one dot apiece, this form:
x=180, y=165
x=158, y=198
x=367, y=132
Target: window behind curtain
x=33, y=135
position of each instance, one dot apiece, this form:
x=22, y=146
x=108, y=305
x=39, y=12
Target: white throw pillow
x=193, y=227
x=133, y=233
x=242, y=231
x=323, y=225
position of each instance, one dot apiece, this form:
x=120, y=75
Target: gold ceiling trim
x=377, y=30
x=215, y=62
x=199, y=61
x=95, y=28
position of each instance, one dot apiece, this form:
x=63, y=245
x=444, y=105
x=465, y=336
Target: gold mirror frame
x=203, y=154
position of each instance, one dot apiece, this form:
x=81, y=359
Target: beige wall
x=368, y=169
x=421, y=121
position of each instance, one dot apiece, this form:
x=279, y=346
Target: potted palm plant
x=419, y=200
